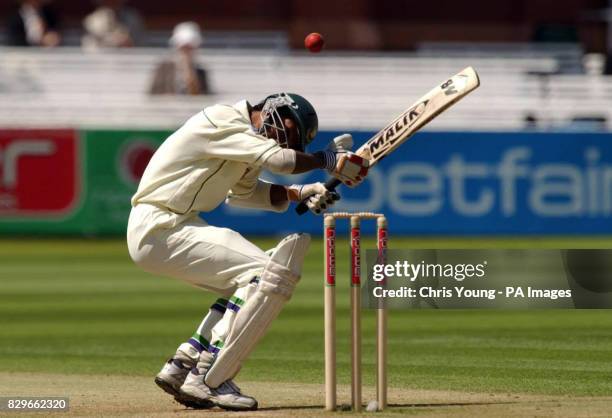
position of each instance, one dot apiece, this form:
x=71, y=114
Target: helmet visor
x=274, y=111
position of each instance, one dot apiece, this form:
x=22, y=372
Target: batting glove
x=318, y=198
x=346, y=166
x=343, y=142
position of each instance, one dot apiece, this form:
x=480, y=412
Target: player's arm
x=266, y=153
x=337, y=159
x=288, y=161
x=258, y=194
x=305, y=162
x=275, y=197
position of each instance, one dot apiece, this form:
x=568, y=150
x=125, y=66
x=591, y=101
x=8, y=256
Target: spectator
x=531, y=121
x=112, y=25
x=181, y=74
x=33, y=23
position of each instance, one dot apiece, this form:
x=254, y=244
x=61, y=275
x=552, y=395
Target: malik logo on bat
x=389, y=136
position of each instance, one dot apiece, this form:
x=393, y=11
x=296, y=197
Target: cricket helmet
x=278, y=106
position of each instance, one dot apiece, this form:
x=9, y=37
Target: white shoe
x=172, y=376
x=227, y=396
x=195, y=392
x=175, y=371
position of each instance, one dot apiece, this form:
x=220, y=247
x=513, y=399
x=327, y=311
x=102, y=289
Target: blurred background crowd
x=357, y=24
x=532, y=41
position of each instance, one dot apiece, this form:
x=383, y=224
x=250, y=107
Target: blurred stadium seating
x=67, y=87
x=214, y=39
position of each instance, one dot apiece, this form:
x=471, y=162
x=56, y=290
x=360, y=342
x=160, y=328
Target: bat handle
x=330, y=185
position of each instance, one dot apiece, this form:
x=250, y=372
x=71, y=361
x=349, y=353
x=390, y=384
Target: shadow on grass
x=392, y=405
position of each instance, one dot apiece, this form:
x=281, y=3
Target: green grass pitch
x=81, y=306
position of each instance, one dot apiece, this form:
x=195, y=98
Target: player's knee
x=278, y=279
x=227, y=236
x=138, y=258
x=142, y=258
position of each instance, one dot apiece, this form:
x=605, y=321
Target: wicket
x=329, y=234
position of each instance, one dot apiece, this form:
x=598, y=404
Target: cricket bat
x=411, y=120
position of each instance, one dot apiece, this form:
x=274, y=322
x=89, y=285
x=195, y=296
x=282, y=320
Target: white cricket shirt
x=213, y=153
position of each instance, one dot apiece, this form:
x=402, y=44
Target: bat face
x=419, y=114
x=381, y=144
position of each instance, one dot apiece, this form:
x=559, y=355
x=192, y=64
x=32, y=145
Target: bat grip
x=330, y=185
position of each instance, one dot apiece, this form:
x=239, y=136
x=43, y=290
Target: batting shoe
x=175, y=371
x=227, y=396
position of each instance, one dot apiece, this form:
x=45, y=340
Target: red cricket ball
x=314, y=42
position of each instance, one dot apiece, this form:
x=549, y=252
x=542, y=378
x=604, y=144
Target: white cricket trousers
x=185, y=247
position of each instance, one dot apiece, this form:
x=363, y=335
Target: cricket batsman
x=216, y=157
